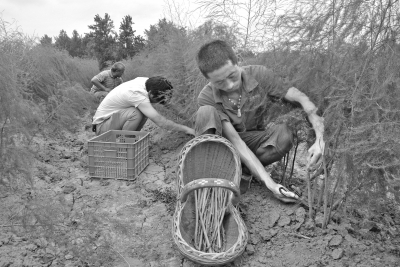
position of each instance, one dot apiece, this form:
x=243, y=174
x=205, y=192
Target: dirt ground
x=67, y=219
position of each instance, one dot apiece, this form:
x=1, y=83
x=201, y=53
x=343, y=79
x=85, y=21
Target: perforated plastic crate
x=118, y=154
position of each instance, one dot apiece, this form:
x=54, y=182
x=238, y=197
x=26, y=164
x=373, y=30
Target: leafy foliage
x=129, y=43
x=104, y=38
x=349, y=69
x=63, y=42
x=37, y=90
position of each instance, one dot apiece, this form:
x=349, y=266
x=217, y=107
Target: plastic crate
x=118, y=154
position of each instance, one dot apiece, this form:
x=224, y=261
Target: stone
x=289, y=212
x=350, y=239
x=367, y=224
x=172, y=262
x=319, y=219
x=265, y=235
x=273, y=232
x=310, y=224
x=79, y=143
x=4, y=241
x=380, y=248
x=273, y=218
x=41, y=242
x=300, y=214
x=337, y=253
x=254, y=239
x=69, y=257
x=69, y=188
x=262, y=259
x=250, y=249
x=336, y=240
x=67, y=155
x=31, y=247
x=284, y=220
x=5, y=263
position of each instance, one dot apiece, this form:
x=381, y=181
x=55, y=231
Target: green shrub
x=41, y=86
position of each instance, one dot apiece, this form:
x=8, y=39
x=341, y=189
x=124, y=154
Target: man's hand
x=190, y=131
x=314, y=157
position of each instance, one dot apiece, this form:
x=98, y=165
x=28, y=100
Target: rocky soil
x=64, y=218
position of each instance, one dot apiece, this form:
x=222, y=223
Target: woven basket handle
x=211, y=182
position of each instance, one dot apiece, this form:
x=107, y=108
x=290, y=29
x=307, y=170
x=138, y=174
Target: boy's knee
x=285, y=139
x=208, y=121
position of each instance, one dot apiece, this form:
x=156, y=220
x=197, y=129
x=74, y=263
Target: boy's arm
x=317, y=149
x=252, y=162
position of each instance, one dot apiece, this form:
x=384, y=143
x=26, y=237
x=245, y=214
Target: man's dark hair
x=157, y=87
x=214, y=55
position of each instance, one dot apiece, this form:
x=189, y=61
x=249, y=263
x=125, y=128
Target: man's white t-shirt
x=128, y=94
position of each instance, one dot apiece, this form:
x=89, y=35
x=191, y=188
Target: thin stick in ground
x=310, y=197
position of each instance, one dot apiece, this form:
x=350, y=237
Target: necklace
x=239, y=114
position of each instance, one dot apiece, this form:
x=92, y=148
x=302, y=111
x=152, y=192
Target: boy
x=226, y=104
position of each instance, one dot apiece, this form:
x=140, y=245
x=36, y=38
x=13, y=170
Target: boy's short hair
x=157, y=87
x=214, y=55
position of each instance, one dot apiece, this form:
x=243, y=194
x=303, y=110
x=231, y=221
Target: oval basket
x=203, y=157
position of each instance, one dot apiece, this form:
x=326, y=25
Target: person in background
x=107, y=80
x=129, y=105
x=227, y=107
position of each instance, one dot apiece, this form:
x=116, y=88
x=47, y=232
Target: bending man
x=128, y=106
x=107, y=80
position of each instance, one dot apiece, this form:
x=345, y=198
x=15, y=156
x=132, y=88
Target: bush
x=41, y=86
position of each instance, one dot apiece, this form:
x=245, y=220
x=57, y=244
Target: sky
x=40, y=17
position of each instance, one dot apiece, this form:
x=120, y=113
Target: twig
x=321, y=193
x=1, y=135
x=326, y=219
x=122, y=257
x=12, y=225
x=197, y=218
x=294, y=156
x=298, y=235
x=348, y=192
x=314, y=191
x=310, y=204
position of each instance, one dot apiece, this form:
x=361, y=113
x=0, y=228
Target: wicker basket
x=208, y=161
x=118, y=154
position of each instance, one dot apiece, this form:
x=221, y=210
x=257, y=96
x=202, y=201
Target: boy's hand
x=314, y=158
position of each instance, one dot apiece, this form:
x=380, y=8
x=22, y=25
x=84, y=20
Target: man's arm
x=250, y=160
x=317, y=149
x=148, y=110
x=95, y=81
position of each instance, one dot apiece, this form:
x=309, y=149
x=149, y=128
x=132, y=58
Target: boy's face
x=227, y=78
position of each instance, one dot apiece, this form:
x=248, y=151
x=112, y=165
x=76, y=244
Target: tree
x=75, y=49
x=126, y=38
x=159, y=34
x=46, y=40
x=129, y=43
x=63, y=41
x=214, y=30
x=104, y=38
x=253, y=19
